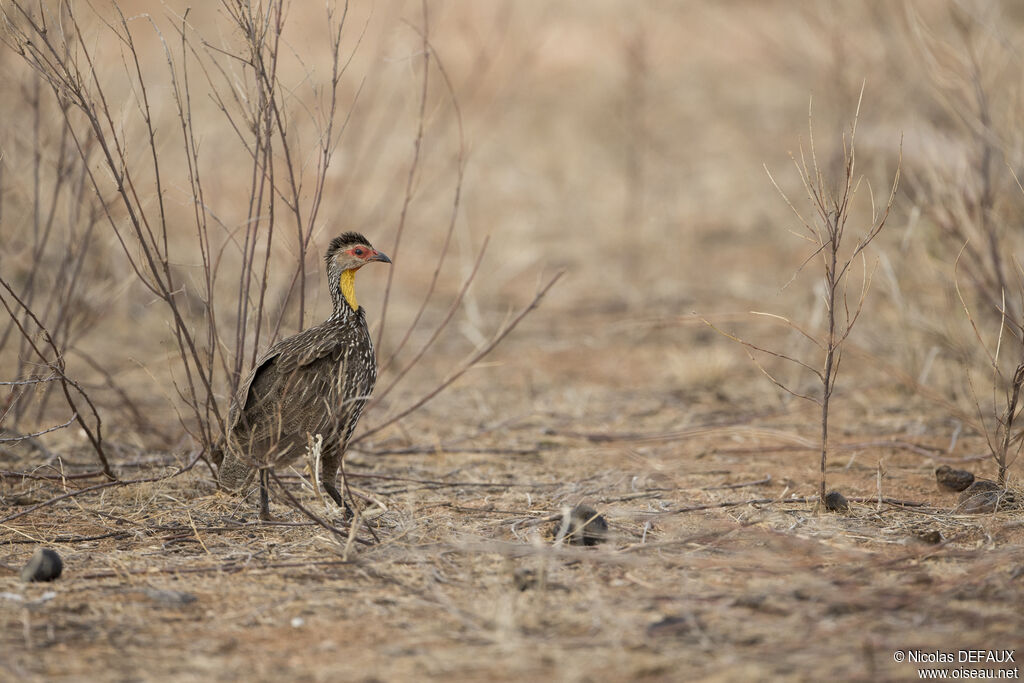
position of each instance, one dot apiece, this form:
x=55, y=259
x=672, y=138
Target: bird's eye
x=358, y=251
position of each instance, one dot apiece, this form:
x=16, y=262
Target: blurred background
x=165, y=203
x=624, y=143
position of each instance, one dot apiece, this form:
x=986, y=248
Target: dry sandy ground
x=460, y=579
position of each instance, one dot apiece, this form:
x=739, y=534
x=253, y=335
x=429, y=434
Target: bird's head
x=346, y=254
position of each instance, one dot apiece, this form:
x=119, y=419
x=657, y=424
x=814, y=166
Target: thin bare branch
x=469, y=363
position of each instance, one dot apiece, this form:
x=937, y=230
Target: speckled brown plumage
x=316, y=382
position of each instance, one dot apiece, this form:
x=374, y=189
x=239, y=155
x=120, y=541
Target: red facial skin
x=367, y=254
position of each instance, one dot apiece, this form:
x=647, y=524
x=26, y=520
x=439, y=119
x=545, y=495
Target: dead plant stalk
x=1003, y=443
x=825, y=230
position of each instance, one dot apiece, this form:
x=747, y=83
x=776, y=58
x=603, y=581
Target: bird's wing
x=243, y=396
x=288, y=356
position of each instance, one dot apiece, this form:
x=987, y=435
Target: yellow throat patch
x=348, y=288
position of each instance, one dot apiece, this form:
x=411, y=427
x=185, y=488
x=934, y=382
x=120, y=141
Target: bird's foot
x=336, y=496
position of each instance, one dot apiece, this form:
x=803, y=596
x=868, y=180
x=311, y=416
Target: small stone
x=950, y=479
x=931, y=537
x=836, y=502
x=671, y=626
x=45, y=565
x=750, y=601
x=170, y=598
x=527, y=579
x=985, y=496
x=524, y=579
x=586, y=526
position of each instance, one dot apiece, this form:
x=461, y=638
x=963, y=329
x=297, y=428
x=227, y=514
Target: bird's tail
x=217, y=454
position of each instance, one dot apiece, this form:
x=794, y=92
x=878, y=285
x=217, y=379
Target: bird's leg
x=332, y=491
x=329, y=467
x=265, y=495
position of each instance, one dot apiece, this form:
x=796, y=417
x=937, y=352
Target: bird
x=316, y=382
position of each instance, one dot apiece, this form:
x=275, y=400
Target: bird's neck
x=348, y=288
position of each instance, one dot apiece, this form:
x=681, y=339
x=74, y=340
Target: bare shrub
x=50, y=356
x=219, y=317
x=964, y=186
x=960, y=181
x=997, y=413
x=48, y=270
x=830, y=202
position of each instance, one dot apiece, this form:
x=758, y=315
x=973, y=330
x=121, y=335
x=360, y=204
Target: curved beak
x=379, y=256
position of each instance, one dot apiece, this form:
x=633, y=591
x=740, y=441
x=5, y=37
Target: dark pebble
x=45, y=565
x=524, y=579
x=527, y=579
x=836, y=502
x=931, y=537
x=170, y=598
x=586, y=526
x=671, y=626
x=953, y=480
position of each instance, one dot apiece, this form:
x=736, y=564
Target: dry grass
x=181, y=581
x=625, y=144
